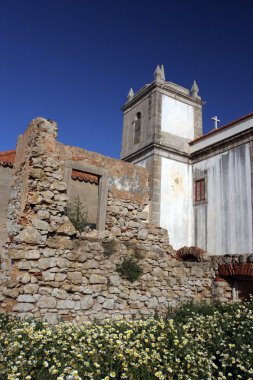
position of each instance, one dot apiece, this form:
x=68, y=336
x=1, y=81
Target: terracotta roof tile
x=7, y=158
x=83, y=176
x=213, y=131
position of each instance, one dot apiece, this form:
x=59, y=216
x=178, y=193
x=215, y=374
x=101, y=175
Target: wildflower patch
x=207, y=342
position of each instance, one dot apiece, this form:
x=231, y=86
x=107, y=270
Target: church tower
x=159, y=122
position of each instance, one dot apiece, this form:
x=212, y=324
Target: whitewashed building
x=200, y=185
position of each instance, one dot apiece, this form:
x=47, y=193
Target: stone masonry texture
x=51, y=271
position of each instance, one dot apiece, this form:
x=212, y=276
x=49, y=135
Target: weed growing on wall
x=78, y=214
x=129, y=269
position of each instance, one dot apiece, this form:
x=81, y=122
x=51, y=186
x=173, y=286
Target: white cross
x=216, y=121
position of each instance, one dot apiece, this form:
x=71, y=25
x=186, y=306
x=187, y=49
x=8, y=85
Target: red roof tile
x=221, y=128
x=7, y=158
x=83, y=176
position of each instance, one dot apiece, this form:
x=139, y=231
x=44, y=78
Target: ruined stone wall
x=49, y=271
x=36, y=214
x=5, y=186
x=123, y=187
x=82, y=282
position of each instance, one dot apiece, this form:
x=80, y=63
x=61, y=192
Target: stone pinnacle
x=194, y=89
x=130, y=94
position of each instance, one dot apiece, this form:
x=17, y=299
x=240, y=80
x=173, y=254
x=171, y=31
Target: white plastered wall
x=223, y=225
x=177, y=118
x=176, y=209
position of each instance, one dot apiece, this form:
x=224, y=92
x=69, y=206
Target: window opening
x=200, y=190
x=137, y=128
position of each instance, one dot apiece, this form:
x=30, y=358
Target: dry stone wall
x=50, y=271
x=82, y=282
x=37, y=223
x=5, y=186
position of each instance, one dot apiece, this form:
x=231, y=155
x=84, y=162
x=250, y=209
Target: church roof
x=7, y=158
x=213, y=131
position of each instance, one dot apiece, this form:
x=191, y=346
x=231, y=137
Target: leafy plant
x=129, y=269
x=78, y=214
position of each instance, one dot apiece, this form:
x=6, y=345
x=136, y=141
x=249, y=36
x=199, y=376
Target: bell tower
x=159, y=121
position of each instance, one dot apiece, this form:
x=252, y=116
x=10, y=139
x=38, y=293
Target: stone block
x=60, y=277
x=75, y=277
x=197, y=271
x=43, y=214
x=19, y=254
x=113, y=209
x=24, y=265
x=87, y=302
x=60, y=293
x=91, y=264
x=46, y=262
x=12, y=293
x=34, y=199
x=65, y=304
x=51, y=318
x=66, y=228
x=48, y=252
x=179, y=272
x=61, y=262
x=30, y=235
x=46, y=302
x=109, y=304
x=31, y=288
x=25, y=298
x=36, y=173
x=101, y=299
x=153, y=303
x=135, y=304
x=26, y=278
x=114, y=290
x=48, y=276
x=23, y=307
x=60, y=242
x=58, y=185
x=158, y=272
x=40, y=224
x=142, y=234
x=142, y=215
x=11, y=283
x=97, y=279
x=155, y=291
x=116, y=231
x=115, y=280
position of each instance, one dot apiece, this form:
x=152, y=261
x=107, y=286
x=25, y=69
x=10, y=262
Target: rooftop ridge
x=213, y=131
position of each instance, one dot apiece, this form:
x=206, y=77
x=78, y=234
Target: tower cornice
x=166, y=86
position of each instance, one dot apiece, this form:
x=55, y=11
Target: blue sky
x=74, y=62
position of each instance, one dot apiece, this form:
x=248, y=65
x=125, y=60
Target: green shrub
x=78, y=214
x=129, y=269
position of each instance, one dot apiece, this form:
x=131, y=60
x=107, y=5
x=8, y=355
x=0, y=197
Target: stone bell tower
x=159, y=122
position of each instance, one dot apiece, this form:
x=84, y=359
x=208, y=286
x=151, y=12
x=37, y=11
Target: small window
x=200, y=190
x=137, y=128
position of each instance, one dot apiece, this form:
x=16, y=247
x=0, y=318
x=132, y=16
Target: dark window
x=200, y=190
x=244, y=289
x=137, y=128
